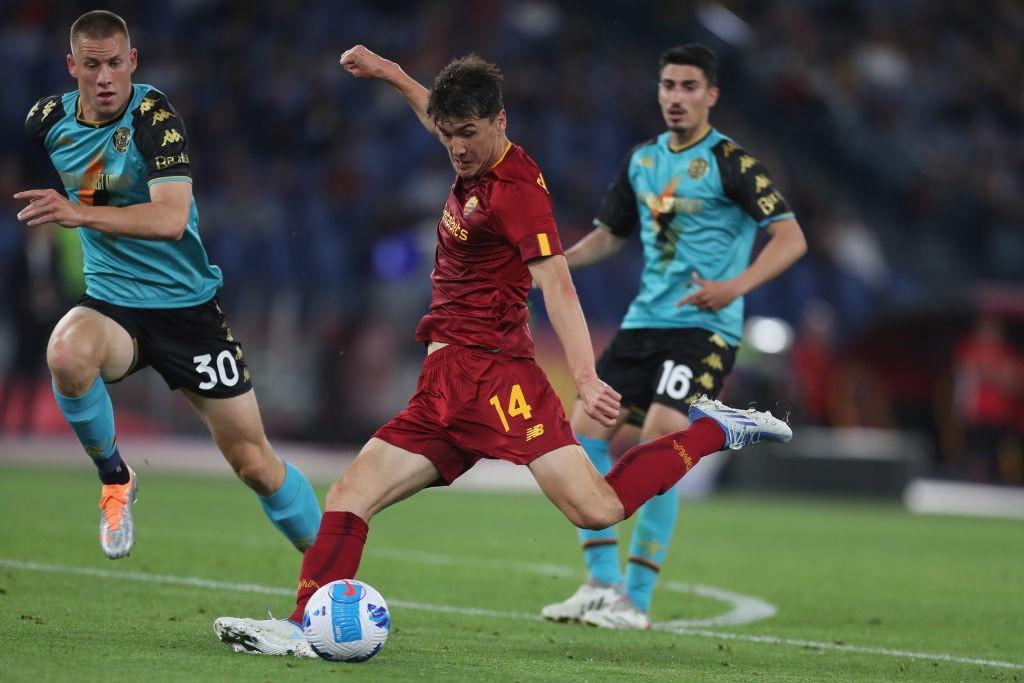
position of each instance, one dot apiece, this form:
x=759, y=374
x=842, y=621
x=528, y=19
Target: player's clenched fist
x=362, y=62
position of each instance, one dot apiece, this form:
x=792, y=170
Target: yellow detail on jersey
x=717, y=341
x=767, y=203
x=470, y=205
x=683, y=454
x=706, y=381
x=47, y=108
x=746, y=162
x=534, y=432
x=714, y=361
x=146, y=105
x=540, y=181
x=32, y=111
x=171, y=135
x=545, y=247
x=452, y=224
x=508, y=146
x=160, y=116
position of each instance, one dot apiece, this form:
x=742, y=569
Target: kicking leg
x=382, y=474
x=285, y=494
x=85, y=348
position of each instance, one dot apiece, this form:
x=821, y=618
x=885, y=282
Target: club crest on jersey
x=470, y=205
x=121, y=138
x=697, y=168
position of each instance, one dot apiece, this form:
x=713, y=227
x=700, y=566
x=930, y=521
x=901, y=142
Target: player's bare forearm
x=594, y=247
x=362, y=62
x=163, y=218
x=600, y=401
x=785, y=246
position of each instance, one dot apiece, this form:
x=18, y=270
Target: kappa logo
x=308, y=583
x=171, y=135
x=534, y=432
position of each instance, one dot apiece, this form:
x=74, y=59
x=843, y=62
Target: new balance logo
x=534, y=432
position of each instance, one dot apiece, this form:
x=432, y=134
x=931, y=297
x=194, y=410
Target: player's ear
x=72, y=69
x=501, y=121
x=133, y=59
x=712, y=95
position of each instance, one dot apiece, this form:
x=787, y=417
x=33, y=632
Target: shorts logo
x=534, y=432
x=697, y=169
x=706, y=381
x=121, y=138
x=717, y=341
x=683, y=454
x=470, y=204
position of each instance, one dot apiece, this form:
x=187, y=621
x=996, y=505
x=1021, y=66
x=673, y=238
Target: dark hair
x=693, y=54
x=98, y=24
x=468, y=88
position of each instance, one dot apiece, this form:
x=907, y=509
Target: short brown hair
x=98, y=24
x=468, y=88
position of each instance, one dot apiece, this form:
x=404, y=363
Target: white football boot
x=587, y=597
x=117, y=527
x=741, y=427
x=277, y=637
x=622, y=615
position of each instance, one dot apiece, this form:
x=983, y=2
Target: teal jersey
x=113, y=164
x=698, y=210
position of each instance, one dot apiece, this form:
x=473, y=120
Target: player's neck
x=500, y=149
x=680, y=140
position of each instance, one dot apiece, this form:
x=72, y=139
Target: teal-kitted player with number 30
x=122, y=154
x=699, y=200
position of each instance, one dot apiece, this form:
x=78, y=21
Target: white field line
x=268, y=590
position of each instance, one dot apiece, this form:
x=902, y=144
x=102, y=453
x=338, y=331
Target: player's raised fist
x=362, y=62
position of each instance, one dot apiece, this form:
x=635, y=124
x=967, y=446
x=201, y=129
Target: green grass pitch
x=862, y=591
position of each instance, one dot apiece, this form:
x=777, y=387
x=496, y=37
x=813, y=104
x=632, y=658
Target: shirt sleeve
x=43, y=115
x=522, y=211
x=161, y=139
x=747, y=183
x=618, y=211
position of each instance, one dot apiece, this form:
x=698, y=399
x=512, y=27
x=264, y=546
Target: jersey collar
x=98, y=124
x=699, y=139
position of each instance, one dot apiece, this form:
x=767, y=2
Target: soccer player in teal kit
x=698, y=199
x=481, y=394
x=122, y=153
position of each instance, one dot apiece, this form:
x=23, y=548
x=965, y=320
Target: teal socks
x=293, y=509
x=91, y=416
x=655, y=522
x=600, y=548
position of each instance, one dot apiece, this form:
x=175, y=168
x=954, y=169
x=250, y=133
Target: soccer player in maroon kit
x=481, y=394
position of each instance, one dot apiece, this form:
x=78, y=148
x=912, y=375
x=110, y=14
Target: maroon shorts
x=471, y=404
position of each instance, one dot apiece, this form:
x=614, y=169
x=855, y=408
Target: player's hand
x=600, y=401
x=362, y=62
x=49, y=206
x=713, y=295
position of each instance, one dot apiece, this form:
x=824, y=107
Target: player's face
x=103, y=68
x=473, y=145
x=685, y=97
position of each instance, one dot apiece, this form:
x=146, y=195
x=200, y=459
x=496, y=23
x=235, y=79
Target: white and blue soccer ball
x=346, y=621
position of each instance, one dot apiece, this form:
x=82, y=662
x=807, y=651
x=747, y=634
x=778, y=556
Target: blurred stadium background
x=895, y=129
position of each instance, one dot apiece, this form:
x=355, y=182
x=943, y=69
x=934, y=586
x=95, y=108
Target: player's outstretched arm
x=551, y=275
x=164, y=217
x=362, y=62
x=594, y=247
x=785, y=245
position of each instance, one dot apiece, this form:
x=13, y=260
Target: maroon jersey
x=491, y=227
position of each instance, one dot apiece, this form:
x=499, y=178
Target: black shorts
x=670, y=367
x=192, y=348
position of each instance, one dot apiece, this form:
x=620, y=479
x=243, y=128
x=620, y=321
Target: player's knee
x=349, y=496
x=254, y=464
x=72, y=364
x=596, y=514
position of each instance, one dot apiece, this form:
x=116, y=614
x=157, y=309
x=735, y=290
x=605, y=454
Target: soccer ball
x=346, y=621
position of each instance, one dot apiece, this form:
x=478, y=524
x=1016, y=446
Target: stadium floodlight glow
x=769, y=335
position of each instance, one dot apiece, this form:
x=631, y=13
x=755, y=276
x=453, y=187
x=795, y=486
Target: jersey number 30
x=225, y=362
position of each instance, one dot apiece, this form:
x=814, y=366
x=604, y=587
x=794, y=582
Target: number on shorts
x=675, y=380
x=225, y=360
x=517, y=405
